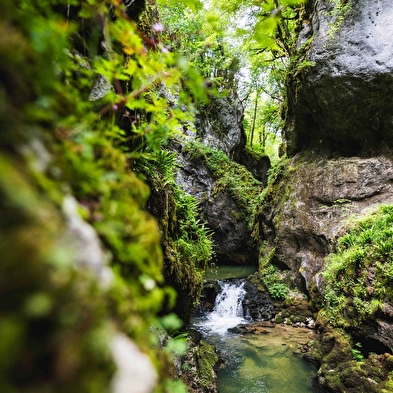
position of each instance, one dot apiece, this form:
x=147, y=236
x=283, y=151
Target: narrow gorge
x=196, y=197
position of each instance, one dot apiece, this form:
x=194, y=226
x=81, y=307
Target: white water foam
x=228, y=310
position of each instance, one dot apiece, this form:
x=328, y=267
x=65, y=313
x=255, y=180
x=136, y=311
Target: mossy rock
x=340, y=372
x=285, y=314
x=54, y=327
x=332, y=348
x=349, y=377
x=206, y=358
x=279, y=319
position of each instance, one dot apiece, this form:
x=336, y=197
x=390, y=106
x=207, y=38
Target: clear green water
x=265, y=363
x=224, y=272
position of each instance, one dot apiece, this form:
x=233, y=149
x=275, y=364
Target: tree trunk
x=254, y=118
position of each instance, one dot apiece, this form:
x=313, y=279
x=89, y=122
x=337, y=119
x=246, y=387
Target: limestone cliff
x=338, y=115
x=340, y=105
x=338, y=134
x=313, y=201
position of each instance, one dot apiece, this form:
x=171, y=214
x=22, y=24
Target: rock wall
x=339, y=136
x=220, y=211
x=311, y=205
x=219, y=126
x=338, y=112
x=340, y=105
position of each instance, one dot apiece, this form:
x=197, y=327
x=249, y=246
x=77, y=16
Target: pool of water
x=265, y=362
x=225, y=272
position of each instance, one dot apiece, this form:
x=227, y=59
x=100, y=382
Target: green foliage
x=269, y=45
x=279, y=291
x=272, y=279
x=252, y=58
x=339, y=11
x=274, y=283
x=59, y=140
x=357, y=353
x=175, y=386
x=180, y=219
x=54, y=324
x=187, y=242
x=275, y=174
x=262, y=117
x=189, y=33
x=359, y=274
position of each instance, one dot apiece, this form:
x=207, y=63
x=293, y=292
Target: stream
x=267, y=361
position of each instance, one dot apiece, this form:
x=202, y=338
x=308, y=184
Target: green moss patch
x=206, y=358
x=359, y=275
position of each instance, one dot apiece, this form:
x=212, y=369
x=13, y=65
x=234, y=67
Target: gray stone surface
x=219, y=210
x=341, y=104
x=314, y=205
x=219, y=125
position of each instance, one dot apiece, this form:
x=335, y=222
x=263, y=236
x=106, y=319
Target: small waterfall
x=228, y=309
x=257, y=363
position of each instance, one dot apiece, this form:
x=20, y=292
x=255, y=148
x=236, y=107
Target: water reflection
x=268, y=362
x=225, y=272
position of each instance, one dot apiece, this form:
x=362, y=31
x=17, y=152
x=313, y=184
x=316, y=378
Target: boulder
x=257, y=305
x=340, y=104
x=220, y=125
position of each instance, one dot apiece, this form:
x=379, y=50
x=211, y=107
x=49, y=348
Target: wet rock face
x=341, y=104
x=257, y=305
x=312, y=206
x=219, y=126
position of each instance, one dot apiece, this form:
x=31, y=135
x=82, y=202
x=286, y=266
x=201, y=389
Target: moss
x=54, y=326
x=279, y=318
x=206, y=358
x=358, y=274
x=186, y=241
x=332, y=348
x=342, y=371
x=56, y=321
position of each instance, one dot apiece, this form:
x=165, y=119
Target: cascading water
x=228, y=309
x=255, y=363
